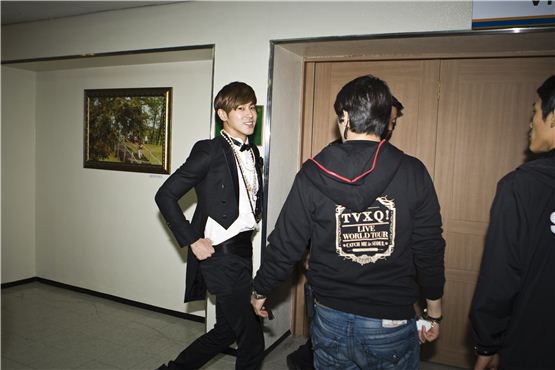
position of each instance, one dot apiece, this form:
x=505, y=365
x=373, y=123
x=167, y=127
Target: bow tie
x=242, y=147
x=245, y=147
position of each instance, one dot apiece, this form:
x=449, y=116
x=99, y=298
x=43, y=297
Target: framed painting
x=128, y=129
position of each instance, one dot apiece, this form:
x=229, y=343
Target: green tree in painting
x=155, y=129
x=130, y=117
x=103, y=135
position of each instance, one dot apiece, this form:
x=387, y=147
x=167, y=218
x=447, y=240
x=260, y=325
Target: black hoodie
x=513, y=310
x=371, y=217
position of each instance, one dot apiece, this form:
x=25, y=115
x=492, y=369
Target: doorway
x=450, y=85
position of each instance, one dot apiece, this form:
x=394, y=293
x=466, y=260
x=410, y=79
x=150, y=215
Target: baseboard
x=19, y=282
x=277, y=342
x=233, y=352
x=182, y=315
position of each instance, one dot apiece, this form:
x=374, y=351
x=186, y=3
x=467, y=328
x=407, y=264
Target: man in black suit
x=226, y=173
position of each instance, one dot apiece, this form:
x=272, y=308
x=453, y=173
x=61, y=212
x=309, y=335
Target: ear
x=346, y=118
x=550, y=119
x=222, y=114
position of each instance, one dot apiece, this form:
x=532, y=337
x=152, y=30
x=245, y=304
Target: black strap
x=239, y=245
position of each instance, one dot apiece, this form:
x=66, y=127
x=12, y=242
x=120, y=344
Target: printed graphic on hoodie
x=367, y=236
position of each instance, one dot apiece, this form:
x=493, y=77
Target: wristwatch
x=257, y=295
x=427, y=317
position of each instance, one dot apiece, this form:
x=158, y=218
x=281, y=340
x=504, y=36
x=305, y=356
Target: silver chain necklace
x=245, y=168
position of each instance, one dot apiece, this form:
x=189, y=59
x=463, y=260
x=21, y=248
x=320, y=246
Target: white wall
x=101, y=229
x=240, y=30
x=18, y=174
x=90, y=233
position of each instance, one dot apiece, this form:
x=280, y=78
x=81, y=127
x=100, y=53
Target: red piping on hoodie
x=331, y=173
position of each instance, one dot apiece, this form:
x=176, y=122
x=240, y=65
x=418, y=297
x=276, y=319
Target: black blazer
x=212, y=171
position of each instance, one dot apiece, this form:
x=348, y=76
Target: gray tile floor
x=46, y=327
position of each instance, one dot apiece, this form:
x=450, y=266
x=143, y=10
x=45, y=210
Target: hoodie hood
x=543, y=169
x=354, y=173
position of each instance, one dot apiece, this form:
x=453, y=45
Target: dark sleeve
x=178, y=184
x=288, y=242
x=427, y=243
x=499, y=278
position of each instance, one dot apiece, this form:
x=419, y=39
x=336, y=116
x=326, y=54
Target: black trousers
x=228, y=276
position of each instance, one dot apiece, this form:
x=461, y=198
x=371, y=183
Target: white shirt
x=215, y=232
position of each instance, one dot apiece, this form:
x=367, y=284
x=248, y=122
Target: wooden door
x=483, y=117
x=467, y=120
x=414, y=83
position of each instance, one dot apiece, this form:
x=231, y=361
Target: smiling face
x=542, y=131
x=239, y=122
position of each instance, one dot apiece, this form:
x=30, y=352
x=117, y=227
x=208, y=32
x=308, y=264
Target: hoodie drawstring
x=331, y=173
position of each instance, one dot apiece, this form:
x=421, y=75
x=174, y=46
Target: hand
x=487, y=362
x=433, y=309
x=202, y=249
x=258, y=306
x=428, y=335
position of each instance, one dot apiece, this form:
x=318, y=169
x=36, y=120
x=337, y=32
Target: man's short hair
x=233, y=95
x=367, y=99
x=546, y=92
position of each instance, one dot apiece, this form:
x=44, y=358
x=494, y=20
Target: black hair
x=397, y=104
x=368, y=100
x=546, y=92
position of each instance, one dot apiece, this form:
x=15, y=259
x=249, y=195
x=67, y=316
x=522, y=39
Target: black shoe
x=302, y=358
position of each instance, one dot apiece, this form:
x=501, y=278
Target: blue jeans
x=345, y=341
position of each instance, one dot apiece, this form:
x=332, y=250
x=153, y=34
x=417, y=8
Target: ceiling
x=14, y=12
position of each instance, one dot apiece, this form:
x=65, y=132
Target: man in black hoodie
x=513, y=310
x=303, y=357
x=372, y=218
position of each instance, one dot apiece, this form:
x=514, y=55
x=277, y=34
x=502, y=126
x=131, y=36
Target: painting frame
x=128, y=129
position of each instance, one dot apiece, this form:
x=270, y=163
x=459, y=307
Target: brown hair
x=233, y=95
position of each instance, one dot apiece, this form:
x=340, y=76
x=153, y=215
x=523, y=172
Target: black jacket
x=373, y=236
x=513, y=310
x=212, y=171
